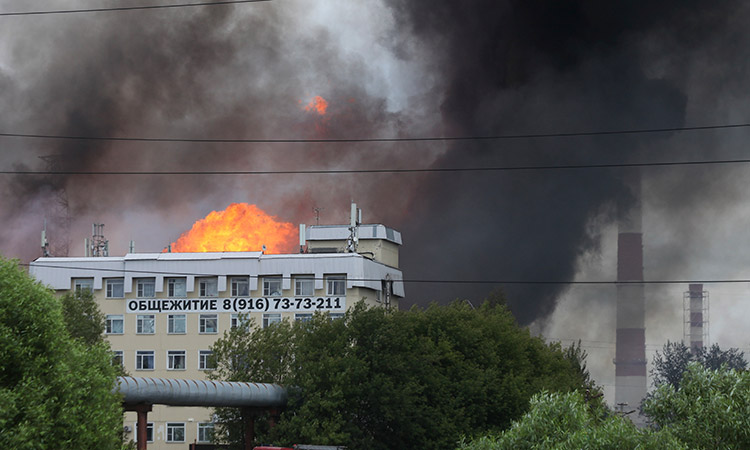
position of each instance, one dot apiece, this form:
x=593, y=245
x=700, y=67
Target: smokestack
x=630, y=352
x=695, y=301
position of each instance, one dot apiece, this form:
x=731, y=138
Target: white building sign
x=237, y=305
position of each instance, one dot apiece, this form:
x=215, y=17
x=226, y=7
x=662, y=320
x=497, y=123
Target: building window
x=208, y=287
x=272, y=286
x=114, y=324
x=240, y=286
x=205, y=431
x=334, y=316
x=206, y=360
x=117, y=358
x=303, y=317
x=176, y=287
x=177, y=324
x=304, y=286
x=271, y=318
x=83, y=284
x=240, y=320
x=208, y=323
x=144, y=324
x=115, y=288
x=176, y=359
x=336, y=285
x=144, y=360
x=149, y=432
x=175, y=432
x=145, y=287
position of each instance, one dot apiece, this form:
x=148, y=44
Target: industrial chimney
x=630, y=351
x=695, y=302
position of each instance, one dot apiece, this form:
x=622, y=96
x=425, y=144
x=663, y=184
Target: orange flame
x=317, y=104
x=240, y=227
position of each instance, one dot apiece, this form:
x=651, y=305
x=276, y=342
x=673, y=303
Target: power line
x=352, y=171
x=413, y=280
x=125, y=8
x=387, y=139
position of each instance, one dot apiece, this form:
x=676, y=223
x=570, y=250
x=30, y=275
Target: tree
x=707, y=411
x=83, y=319
x=55, y=391
x=404, y=379
x=673, y=361
x=714, y=358
x=85, y=322
x=567, y=421
x=576, y=355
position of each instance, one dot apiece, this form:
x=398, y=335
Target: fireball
x=318, y=104
x=240, y=227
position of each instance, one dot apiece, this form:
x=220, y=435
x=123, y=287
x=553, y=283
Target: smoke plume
x=398, y=68
x=524, y=67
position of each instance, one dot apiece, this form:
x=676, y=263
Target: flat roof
x=57, y=272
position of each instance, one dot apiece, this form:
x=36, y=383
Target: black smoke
x=517, y=67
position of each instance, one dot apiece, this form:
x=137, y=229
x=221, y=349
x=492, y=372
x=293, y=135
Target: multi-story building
x=165, y=310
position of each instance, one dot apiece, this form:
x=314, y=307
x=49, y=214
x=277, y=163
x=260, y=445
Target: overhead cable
x=125, y=8
x=361, y=171
x=384, y=139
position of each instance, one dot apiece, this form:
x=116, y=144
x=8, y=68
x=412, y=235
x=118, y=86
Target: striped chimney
x=630, y=351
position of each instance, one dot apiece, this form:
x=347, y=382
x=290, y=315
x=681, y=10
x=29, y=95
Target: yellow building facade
x=165, y=310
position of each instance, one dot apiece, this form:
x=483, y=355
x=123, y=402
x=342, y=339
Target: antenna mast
x=60, y=214
x=354, y=223
x=317, y=211
x=45, y=243
x=98, y=246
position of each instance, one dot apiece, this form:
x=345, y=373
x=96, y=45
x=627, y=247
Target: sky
x=403, y=68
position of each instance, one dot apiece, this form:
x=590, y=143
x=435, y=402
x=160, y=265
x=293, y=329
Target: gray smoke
x=211, y=72
x=400, y=68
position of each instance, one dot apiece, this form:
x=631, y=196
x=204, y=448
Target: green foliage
x=82, y=317
x=406, y=379
x=708, y=411
x=565, y=421
x=577, y=358
x=55, y=391
x=673, y=361
x=714, y=358
x=670, y=364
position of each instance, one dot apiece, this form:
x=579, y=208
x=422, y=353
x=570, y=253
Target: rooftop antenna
x=59, y=213
x=354, y=221
x=317, y=211
x=45, y=243
x=99, y=245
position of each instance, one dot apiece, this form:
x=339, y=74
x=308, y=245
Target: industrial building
x=165, y=310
